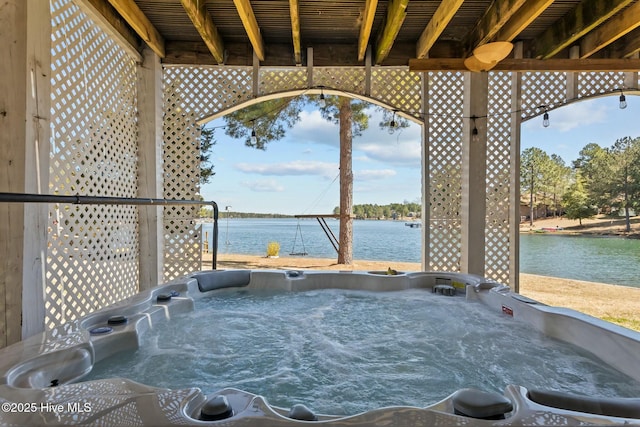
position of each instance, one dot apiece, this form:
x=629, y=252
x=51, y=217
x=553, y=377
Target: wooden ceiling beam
x=496, y=16
x=626, y=46
x=369, y=14
x=445, y=12
x=396, y=13
x=102, y=11
x=521, y=19
x=365, y=29
x=610, y=31
x=131, y=13
x=586, y=16
x=522, y=65
x=250, y=24
x=294, y=11
x=197, y=12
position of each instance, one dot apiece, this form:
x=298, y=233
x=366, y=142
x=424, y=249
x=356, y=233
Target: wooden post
x=25, y=93
x=150, y=174
x=514, y=176
x=426, y=178
x=474, y=167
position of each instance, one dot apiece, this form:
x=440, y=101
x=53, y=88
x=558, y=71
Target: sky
x=299, y=174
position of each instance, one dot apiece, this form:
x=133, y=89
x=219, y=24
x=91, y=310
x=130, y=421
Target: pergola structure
x=106, y=98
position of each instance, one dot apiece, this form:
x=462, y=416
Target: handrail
x=103, y=200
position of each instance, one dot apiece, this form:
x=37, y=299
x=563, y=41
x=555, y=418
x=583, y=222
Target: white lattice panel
x=497, y=246
x=274, y=80
x=348, y=79
x=542, y=89
x=92, y=258
x=445, y=168
x=182, y=244
x=590, y=84
x=398, y=88
x=206, y=90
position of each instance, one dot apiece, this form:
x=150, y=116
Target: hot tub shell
x=41, y=377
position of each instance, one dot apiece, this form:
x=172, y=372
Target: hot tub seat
x=618, y=407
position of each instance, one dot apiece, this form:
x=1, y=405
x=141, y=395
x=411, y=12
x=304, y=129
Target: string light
x=623, y=101
x=545, y=118
x=392, y=123
x=474, y=132
x=254, y=138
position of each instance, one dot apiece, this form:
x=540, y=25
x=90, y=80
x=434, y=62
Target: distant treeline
x=207, y=212
x=392, y=210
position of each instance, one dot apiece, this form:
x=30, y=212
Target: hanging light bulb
x=475, y=137
x=254, y=138
x=545, y=119
x=623, y=101
x=392, y=124
x=323, y=101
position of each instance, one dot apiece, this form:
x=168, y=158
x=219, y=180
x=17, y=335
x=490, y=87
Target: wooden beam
x=496, y=16
x=436, y=26
x=396, y=12
x=294, y=11
x=197, y=12
x=610, y=31
x=250, y=26
x=102, y=12
x=626, y=46
x=457, y=64
x=521, y=19
x=131, y=13
x=585, y=17
x=365, y=29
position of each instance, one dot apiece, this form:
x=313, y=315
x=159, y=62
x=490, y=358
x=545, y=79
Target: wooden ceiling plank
x=522, y=65
x=445, y=12
x=521, y=19
x=586, y=16
x=294, y=11
x=250, y=24
x=365, y=29
x=610, y=31
x=496, y=16
x=202, y=21
x=131, y=13
x=396, y=13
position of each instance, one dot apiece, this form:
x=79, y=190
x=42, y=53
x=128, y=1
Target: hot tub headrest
x=613, y=407
x=218, y=279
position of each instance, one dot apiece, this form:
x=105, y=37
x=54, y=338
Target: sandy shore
x=617, y=304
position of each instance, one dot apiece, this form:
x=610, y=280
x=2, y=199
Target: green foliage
x=576, y=201
x=269, y=119
x=206, y=143
x=374, y=211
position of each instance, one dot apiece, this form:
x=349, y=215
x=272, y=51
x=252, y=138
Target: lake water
x=597, y=259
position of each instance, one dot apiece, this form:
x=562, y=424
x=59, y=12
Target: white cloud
x=313, y=128
x=264, y=186
x=373, y=174
x=296, y=167
x=404, y=153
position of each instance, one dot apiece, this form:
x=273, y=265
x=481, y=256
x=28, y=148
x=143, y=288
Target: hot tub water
x=345, y=352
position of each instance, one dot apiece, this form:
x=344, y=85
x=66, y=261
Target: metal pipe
x=101, y=200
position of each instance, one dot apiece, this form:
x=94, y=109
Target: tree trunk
x=531, y=199
x=345, y=254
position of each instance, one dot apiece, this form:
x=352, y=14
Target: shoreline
x=613, y=303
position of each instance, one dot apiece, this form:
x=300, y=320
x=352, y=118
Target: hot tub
x=44, y=378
